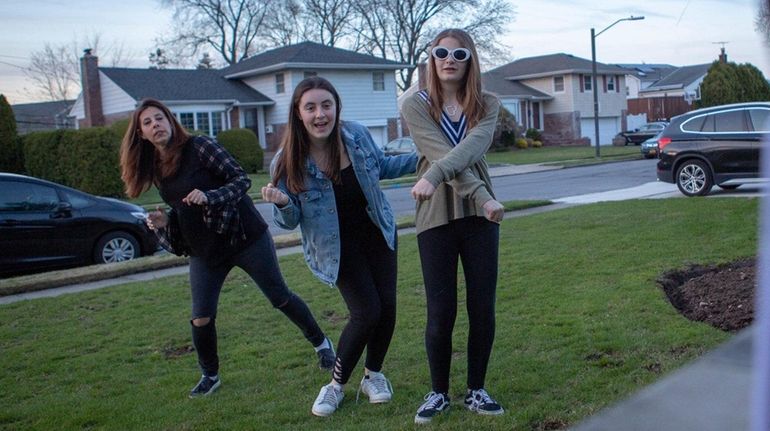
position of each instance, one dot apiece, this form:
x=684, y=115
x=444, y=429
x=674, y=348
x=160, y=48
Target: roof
x=183, y=85
x=648, y=72
x=307, y=55
x=41, y=116
x=495, y=82
x=553, y=64
x=680, y=78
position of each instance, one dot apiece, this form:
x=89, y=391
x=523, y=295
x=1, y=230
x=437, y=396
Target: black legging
x=474, y=240
x=367, y=283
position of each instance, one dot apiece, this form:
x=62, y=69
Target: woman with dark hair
x=457, y=216
x=326, y=178
x=212, y=220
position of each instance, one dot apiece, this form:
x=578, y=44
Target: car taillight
x=662, y=142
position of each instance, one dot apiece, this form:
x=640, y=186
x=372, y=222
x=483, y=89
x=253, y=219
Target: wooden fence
x=659, y=108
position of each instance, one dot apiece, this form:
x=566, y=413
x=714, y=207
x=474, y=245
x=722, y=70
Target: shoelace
x=330, y=397
x=380, y=385
x=481, y=397
x=432, y=400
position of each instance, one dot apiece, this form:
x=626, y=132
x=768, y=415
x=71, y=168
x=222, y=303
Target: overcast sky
x=677, y=32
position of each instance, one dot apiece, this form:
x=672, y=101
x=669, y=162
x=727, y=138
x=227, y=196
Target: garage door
x=378, y=135
x=608, y=128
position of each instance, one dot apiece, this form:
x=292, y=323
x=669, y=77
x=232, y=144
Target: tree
x=230, y=27
x=286, y=24
x=158, y=59
x=330, y=18
x=10, y=154
x=402, y=30
x=206, y=62
x=730, y=83
x=762, y=22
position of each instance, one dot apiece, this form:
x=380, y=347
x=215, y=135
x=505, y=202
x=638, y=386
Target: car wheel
x=116, y=247
x=694, y=178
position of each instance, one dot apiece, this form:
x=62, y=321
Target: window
x=202, y=122
x=27, y=197
x=760, y=119
x=378, y=81
x=308, y=74
x=188, y=120
x=279, y=85
x=611, y=83
x=730, y=121
x=587, y=83
x=558, y=84
x=216, y=123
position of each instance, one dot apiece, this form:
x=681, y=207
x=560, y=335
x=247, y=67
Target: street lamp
x=593, y=75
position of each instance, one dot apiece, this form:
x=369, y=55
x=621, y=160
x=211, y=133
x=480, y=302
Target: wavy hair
x=141, y=164
x=469, y=94
x=295, y=144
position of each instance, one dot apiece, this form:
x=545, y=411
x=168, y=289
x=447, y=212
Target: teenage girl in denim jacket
x=326, y=178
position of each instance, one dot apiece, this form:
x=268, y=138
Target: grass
x=580, y=325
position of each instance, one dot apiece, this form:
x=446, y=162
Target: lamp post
x=593, y=75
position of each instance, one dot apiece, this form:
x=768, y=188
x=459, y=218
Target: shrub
x=506, y=131
x=119, y=128
x=10, y=156
x=533, y=134
x=89, y=161
x=41, y=154
x=537, y=144
x=522, y=143
x=244, y=146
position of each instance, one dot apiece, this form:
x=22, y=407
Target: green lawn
x=567, y=156
x=580, y=325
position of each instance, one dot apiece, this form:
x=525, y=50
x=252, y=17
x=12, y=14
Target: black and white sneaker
x=327, y=356
x=480, y=402
x=434, y=404
x=206, y=386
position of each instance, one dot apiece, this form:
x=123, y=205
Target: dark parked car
x=714, y=146
x=399, y=146
x=44, y=225
x=649, y=148
x=643, y=133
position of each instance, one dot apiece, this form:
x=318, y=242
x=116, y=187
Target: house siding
x=114, y=99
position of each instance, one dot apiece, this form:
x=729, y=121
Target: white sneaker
x=327, y=400
x=377, y=387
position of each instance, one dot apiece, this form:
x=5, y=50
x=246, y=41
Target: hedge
x=244, y=146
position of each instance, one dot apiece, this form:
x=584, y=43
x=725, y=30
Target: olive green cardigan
x=460, y=174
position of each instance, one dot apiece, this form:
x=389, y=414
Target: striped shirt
x=453, y=130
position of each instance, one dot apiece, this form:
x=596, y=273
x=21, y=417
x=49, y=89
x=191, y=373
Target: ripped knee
x=201, y=321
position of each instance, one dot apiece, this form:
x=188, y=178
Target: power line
x=14, y=56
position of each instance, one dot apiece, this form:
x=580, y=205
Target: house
x=553, y=93
x=34, y=117
x=254, y=93
x=641, y=76
x=670, y=96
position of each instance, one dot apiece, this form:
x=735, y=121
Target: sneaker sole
x=382, y=401
x=321, y=414
x=422, y=421
x=486, y=412
x=210, y=391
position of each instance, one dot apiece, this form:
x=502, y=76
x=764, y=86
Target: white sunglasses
x=458, y=54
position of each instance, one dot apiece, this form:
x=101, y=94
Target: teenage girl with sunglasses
x=457, y=216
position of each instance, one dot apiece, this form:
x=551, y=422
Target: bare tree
x=330, y=19
x=401, y=30
x=230, y=27
x=54, y=73
x=762, y=23
x=285, y=26
x=158, y=59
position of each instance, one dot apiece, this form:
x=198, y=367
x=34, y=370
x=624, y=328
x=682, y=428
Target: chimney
x=723, y=56
x=92, y=91
x=422, y=76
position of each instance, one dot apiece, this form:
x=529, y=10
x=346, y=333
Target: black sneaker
x=480, y=402
x=434, y=404
x=206, y=386
x=326, y=357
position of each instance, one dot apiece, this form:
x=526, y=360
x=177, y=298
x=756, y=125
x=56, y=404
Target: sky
x=676, y=32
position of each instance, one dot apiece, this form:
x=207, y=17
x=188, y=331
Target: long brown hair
x=141, y=164
x=469, y=94
x=295, y=144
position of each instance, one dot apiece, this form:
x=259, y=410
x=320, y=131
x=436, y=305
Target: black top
x=208, y=174
x=351, y=204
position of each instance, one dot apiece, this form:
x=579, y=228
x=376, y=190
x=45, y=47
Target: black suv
x=44, y=225
x=714, y=146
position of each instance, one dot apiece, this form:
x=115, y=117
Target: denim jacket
x=315, y=208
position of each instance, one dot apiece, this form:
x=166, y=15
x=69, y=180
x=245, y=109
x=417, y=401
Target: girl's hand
x=423, y=190
x=273, y=194
x=157, y=219
x=494, y=211
x=196, y=197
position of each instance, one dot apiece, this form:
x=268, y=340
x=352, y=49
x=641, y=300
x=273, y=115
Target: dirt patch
x=721, y=295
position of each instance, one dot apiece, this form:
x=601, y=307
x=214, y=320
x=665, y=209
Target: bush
x=119, y=128
x=522, y=143
x=10, y=156
x=88, y=161
x=506, y=131
x=537, y=144
x=41, y=154
x=244, y=146
x=533, y=134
